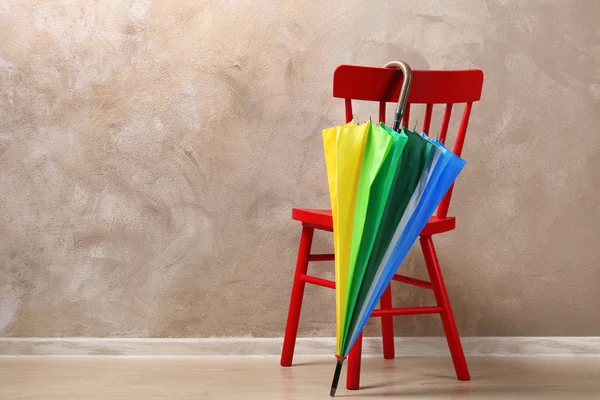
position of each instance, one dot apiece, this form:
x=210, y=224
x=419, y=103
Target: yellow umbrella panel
x=344, y=147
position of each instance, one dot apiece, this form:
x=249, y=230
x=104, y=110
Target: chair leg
x=387, y=325
x=441, y=297
x=291, y=328
x=354, y=358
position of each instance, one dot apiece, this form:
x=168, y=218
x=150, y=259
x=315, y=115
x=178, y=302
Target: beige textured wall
x=150, y=152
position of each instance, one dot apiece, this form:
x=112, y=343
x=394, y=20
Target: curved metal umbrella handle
x=403, y=98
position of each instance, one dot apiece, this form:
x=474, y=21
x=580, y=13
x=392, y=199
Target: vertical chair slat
x=445, y=123
x=382, y=105
x=427, y=122
x=348, y=110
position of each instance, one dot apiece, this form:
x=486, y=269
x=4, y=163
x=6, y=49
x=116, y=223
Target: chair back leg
x=354, y=358
x=387, y=325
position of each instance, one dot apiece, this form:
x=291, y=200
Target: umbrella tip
x=336, y=377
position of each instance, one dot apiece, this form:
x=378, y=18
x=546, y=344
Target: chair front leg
x=291, y=328
x=354, y=359
x=441, y=297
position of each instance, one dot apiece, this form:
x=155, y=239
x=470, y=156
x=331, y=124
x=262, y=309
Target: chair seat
x=321, y=219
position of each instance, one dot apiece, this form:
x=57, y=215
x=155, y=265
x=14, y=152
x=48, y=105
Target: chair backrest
x=353, y=82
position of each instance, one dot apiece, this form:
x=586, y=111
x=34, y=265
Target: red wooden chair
x=383, y=85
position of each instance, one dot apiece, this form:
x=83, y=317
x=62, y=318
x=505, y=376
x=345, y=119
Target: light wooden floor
x=263, y=378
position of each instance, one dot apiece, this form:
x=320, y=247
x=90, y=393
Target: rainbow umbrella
x=383, y=193
x=384, y=185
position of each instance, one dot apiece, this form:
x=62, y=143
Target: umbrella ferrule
x=336, y=375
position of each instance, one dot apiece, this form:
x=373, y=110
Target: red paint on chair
x=382, y=85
